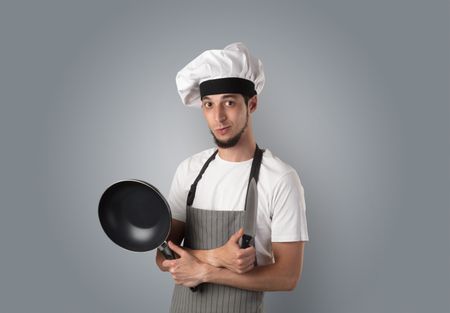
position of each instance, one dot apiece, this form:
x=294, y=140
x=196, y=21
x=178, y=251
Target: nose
x=219, y=114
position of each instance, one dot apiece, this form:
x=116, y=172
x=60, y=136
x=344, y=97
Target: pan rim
x=156, y=191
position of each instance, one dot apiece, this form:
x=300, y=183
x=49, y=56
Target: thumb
x=176, y=248
x=235, y=237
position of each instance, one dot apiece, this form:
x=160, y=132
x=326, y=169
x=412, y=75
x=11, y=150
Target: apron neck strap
x=254, y=172
x=191, y=194
x=256, y=164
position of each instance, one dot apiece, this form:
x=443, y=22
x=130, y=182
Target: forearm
x=205, y=256
x=280, y=276
x=262, y=278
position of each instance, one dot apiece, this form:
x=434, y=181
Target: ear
x=253, y=103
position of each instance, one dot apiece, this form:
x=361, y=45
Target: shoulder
x=195, y=162
x=188, y=170
x=277, y=177
x=274, y=168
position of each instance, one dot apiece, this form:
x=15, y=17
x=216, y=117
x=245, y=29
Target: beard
x=233, y=140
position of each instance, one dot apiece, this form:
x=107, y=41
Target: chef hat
x=231, y=70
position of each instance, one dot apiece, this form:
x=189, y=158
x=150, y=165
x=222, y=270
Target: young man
x=208, y=195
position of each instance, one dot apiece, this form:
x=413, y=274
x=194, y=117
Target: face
x=227, y=118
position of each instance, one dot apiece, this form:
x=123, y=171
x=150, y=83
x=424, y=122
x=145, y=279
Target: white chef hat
x=231, y=70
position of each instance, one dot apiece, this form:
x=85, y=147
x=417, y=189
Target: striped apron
x=209, y=229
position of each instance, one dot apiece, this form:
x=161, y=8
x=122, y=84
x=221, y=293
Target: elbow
x=291, y=283
x=290, y=286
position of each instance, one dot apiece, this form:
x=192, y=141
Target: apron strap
x=254, y=172
x=191, y=194
x=256, y=164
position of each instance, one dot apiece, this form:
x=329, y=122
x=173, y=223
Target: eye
x=229, y=103
x=207, y=104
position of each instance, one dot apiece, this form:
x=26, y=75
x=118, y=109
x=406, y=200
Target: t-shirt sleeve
x=289, y=210
x=178, y=195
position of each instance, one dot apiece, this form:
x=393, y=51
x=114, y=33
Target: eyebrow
x=221, y=98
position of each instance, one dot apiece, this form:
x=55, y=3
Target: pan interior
x=134, y=215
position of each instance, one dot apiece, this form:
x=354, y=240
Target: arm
x=229, y=256
x=283, y=275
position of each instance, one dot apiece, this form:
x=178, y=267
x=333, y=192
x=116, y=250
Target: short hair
x=246, y=99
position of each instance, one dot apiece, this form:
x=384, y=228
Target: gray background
x=356, y=99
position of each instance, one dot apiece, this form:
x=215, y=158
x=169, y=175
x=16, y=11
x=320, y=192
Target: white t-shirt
x=281, y=203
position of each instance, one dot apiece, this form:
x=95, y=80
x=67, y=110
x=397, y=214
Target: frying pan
x=136, y=216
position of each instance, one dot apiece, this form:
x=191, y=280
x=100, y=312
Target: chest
x=223, y=188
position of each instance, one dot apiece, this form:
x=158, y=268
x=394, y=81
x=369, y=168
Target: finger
x=248, y=268
x=247, y=251
x=250, y=248
x=169, y=263
x=248, y=258
x=235, y=237
x=243, y=263
x=242, y=270
x=177, y=249
x=243, y=254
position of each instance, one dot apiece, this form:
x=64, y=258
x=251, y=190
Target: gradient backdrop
x=356, y=99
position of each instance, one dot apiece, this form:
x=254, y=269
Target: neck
x=242, y=151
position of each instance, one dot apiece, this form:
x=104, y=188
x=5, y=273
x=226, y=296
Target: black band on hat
x=227, y=85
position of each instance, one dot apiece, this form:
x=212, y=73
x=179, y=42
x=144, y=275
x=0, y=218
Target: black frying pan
x=135, y=216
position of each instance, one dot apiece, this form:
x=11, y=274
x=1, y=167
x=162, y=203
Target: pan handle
x=168, y=254
x=165, y=250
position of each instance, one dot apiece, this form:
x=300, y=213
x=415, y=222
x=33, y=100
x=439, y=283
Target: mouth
x=222, y=130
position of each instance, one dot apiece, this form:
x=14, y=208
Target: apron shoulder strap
x=191, y=194
x=256, y=164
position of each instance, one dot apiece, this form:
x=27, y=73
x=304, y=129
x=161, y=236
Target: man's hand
x=186, y=270
x=231, y=256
